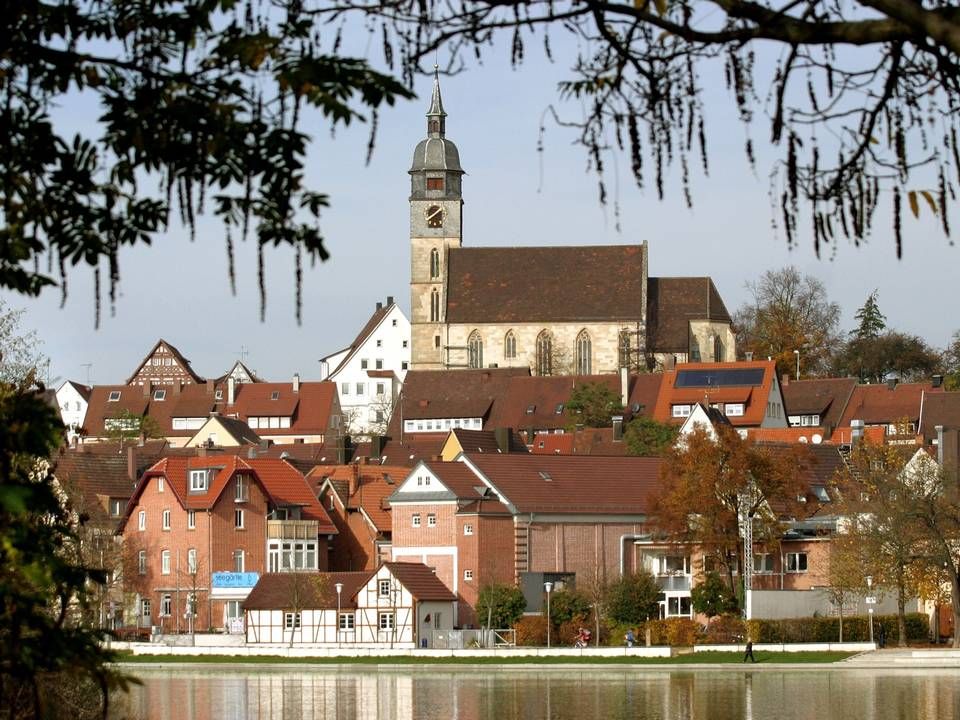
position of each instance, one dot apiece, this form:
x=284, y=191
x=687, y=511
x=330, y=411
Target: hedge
x=827, y=629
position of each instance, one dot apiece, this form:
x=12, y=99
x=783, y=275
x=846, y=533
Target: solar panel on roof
x=719, y=378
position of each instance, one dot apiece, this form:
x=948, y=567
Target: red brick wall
x=354, y=545
x=579, y=547
x=488, y=552
x=405, y=535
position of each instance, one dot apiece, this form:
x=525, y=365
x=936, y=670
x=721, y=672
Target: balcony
x=292, y=529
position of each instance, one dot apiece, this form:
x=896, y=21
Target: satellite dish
x=803, y=440
x=817, y=438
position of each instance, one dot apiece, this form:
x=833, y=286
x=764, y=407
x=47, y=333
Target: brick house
x=192, y=518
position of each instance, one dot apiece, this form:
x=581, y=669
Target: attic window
x=159, y=394
x=218, y=395
x=275, y=395
x=559, y=409
x=114, y=396
x=531, y=409
x=545, y=475
x=821, y=493
x=198, y=481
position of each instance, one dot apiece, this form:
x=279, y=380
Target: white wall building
x=370, y=371
x=72, y=399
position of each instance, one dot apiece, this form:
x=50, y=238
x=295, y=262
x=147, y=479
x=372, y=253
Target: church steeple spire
x=436, y=117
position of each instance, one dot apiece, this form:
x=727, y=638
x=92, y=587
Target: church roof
x=546, y=284
x=672, y=302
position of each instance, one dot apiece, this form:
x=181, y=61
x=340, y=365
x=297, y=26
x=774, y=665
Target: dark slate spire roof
x=436, y=102
x=436, y=152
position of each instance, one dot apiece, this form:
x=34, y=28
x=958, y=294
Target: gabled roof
x=132, y=399
x=421, y=581
x=236, y=429
x=415, y=447
x=826, y=397
x=672, y=303
x=315, y=590
x=459, y=482
x=365, y=332
x=183, y=362
x=568, y=484
x=881, y=405
x=241, y=369
x=520, y=284
x=283, y=483
x=434, y=394
x=939, y=408
x=375, y=483
x=88, y=477
x=486, y=441
x=749, y=383
x=81, y=389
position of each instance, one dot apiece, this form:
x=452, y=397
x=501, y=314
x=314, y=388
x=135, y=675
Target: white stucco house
x=370, y=371
x=399, y=605
x=72, y=399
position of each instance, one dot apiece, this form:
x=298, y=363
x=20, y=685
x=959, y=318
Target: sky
x=179, y=291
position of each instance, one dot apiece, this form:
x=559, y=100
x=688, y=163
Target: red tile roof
x=421, y=581
x=572, y=483
x=826, y=397
x=375, y=484
x=754, y=397
x=316, y=590
x=132, y=399
x=881, y=405
x=939, y=408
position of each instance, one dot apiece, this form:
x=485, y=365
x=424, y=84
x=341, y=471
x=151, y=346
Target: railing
x=674, y=582
x=292, y=529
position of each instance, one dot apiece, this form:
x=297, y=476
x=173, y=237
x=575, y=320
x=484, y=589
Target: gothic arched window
x=434, y=264
x=475, y=350
x=584, y=350
x=544, y=353
x=625, y=351
x=434, y=305
x=510, y=346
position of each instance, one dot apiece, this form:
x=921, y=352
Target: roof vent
x=531, y=409
x=388, y=478
x=545, y=475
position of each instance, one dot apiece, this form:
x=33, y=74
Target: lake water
x=508, y=693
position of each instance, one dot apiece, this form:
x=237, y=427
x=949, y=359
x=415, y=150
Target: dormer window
x=114, y=396
x=159, y=394
x=198, y=481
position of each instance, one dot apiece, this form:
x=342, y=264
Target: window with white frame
x=114, y=396
x=166, y=605
x=345, y=388
x=763, y=563
x=238, y=519
x=680, y=410
x=192, y=561
x=191, y=519
x=166, y=519
x=291, y=621
x=145, y=608
x=733, y=409
x=241, y=494
x=359, y=388
x=159, y=395
x=383, y=588
x=285, y=555
x=198, y=481
x=381, y=389
x=238, y=561
x=431, y=520
x=363, y=364
x=379, y=343
x=415, y=520
x=386, y=621
x=468, y=575
x=346, y=621
x=468, y=529
x=161, y=484
x=165, y=562
x=117, y=506
x=796, y=562
x=142, y=520
x=142, y=562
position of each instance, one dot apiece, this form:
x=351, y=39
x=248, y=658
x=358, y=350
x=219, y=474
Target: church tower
x=436, y=225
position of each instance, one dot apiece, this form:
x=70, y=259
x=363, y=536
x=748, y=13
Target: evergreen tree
x=871, y=321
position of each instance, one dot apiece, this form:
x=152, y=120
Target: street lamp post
x=869, y=580
x=797, y=353
x=548, y=586
x=339, y=587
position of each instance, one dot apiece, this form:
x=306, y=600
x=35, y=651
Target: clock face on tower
x=434, y=215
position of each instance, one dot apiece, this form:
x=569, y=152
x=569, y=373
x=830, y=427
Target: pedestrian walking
x=881, y=635
x=749, y=652
x=629, y=638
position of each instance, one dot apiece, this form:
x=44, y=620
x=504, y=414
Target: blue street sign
x=235, y=580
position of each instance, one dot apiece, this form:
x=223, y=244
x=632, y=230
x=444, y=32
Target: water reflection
x=428, y=693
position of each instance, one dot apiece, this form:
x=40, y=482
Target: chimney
x=936, y=381
x=892, y=383
x=354, y=481
x=748, y=355
x=617, y=428
x=231, y=390
x=502, y=436
x=376, y=445
x=389, y=300
x=856, y=432
x=784, y=379
x=132, y=464
x=296, y=382
x=252, y=452
x=202, y=450
x=624, y=386
x=379, y=306
x=209, y=387
x=670, y=363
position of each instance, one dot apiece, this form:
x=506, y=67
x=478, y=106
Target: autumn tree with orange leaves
x=709, y=482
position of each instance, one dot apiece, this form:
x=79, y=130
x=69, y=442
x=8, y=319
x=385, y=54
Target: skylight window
x=159, y=394
x=559, y=409
x=114, y=396
x=531, y=409
x=275, y=395
x=545, y=475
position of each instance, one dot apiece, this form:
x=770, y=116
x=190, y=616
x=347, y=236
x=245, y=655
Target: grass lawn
x=704, y=658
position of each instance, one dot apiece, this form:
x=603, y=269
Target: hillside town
x=512, y=433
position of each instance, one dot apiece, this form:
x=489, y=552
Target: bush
x=505, y=604
x=531, y=631
x=726, y=629
x=827, y=629
x=632, y=598
x=712, y=596
x=565, y=605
